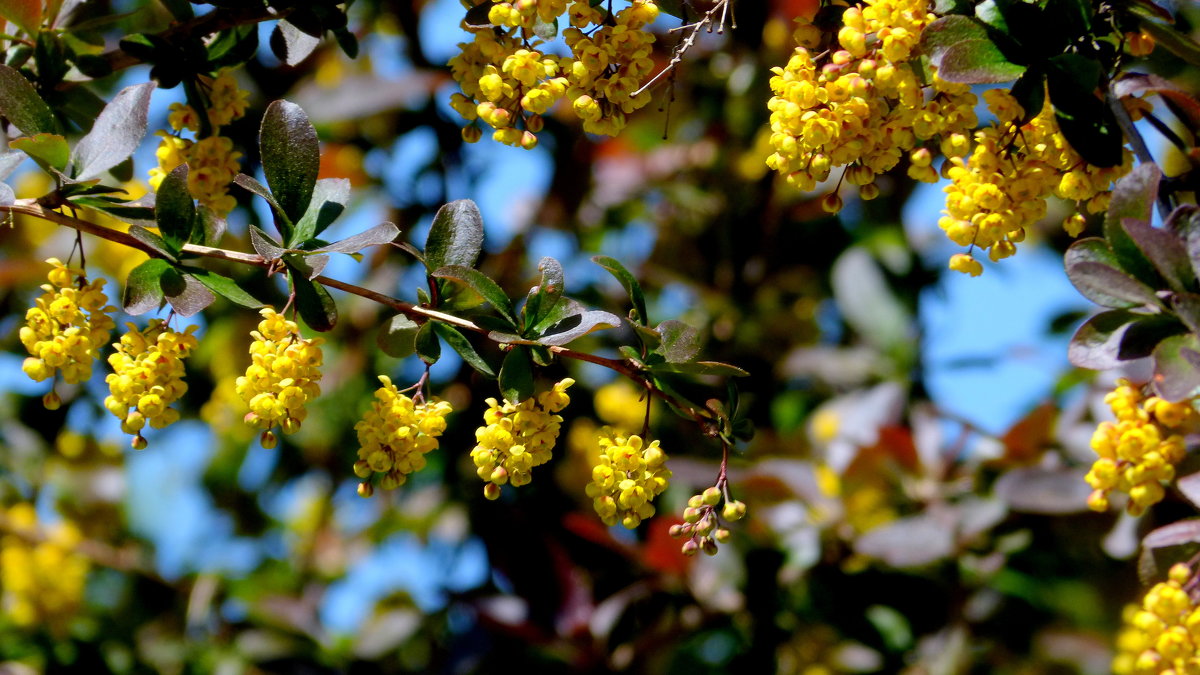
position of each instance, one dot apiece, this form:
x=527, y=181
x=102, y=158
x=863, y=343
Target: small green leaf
x=1097, y=343
x=1166, y=253
x=233, y=47
x=224, y=286
x=21, y=105
x=186, y=295
x=482, y=284
x=291, y=156
x=427, y=345
x=134, y=213
x=281, y=219
x=116, y=134
x=577, y=325
x=1169, y=37
x=314, y=303
x=329, y=199
x=963, y=51
x=629, y=282
x=680, y=342
x=143, y=287
x=1084, y=119
x=459, y=343
x=702, y=368
x=264, y=245
x=546, y=294
x=1177, y=367
x=309, y=266
x=48, y=150
x=383, y=233
x=516, y=376
x=397, y=337
x=1109, y=286
x=152, y=241
x=456, y=236
x=174, y=211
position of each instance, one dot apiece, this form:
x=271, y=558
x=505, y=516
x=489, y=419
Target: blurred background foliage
x=914, y=487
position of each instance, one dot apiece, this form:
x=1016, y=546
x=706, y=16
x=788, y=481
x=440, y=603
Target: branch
x=677, y=54
x=31, y=207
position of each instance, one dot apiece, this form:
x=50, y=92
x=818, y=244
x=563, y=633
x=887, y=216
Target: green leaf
x=186, y=295
x=153, y=241
x=397, y=337
x=1185, y=220
x=1030, y=91
x=135, y=213
x=281, y=219
x=1084, y=119
x=329, y=200
x=516, y=376
x=1177, y=367
x=427, y=345
x=680, y=342
x=546, y=294
x=143, y=287
x=174, y=210
x=233, y=46
x=701, y=368
x=264, y=245
x=315, y=305
x=577, y=325
x=116, y=134
x=291, y=156
x=1186, y=306
x=48, y=150
x=456, y=236
x=562, y=309
x=26, y=14
x=208, y=228
x=1133, y=196
x=1169, y=37
x=224, y=286
x=963, y=51
x=290, y=44
x=483, y=285
x=20, y=103
x=1109, y=286
x=1096, y=250
x=1165, y=251
x=310, y=266
x=383, y=233
x=459, y=343
x=1097, y=343
x=630, y=283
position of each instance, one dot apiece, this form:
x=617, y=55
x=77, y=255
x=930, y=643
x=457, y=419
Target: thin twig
x=677, y=54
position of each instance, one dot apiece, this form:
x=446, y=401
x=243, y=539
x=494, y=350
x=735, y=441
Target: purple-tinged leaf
x=1097, y=343
x=383, y=233
x=143, y=287
x=264, y=246
x=577, y=325
x=1110, y=287
x=1177, y=367
x=116, y=134
x=1189, y=486
x=1165, y=251
x=1175, y=534
x=315, y=305
x=186, y=295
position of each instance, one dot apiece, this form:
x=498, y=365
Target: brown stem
x=625, y=367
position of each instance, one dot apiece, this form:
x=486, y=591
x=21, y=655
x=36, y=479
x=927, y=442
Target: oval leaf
x=225, y=287
x=397, y=336
x=516, y=376
x=482, y=284
x=630, y=282
x=291, y=156
x=21, y=105
x=1166, y=253
x=186, y=295
x=143, y=287
x=544, y=297
x=572, y=329
x=459, y=343
x=174, y=210
x=1177, y=367
x=680, y=342
x=1110, y=287
x=314, y=303
x=116, y=134
x=383, y=233
x=427, y=345
x=456, y=237
x=1097, y=343
x=329, y=199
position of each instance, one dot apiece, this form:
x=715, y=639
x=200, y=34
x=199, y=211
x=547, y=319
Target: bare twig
x=693, y=29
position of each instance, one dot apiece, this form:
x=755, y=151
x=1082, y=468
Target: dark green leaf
x=383, y=233
x=329, y=199
x=397, y=337
x=1097, y=343
x=1177, y=367
x=266, y=247
x=281, y=219
x=224, y=287
x=546, y=294
x=1030, y=91
x=290, y=44
x=1109, y=286
x=347, y=41
x=562, y=309
x=426, y=343
x=21, y=105
x=291, y=156
x=1186, y=306
x=186, y=295
x=576, y=326
x=632, y=287
x=1171, y=39
x=48, y=150
x=1185, y=221
x=1086, y=122
x=152, y=241
x=680, y=342
x=456, y=237
x=209, y=227
x=460, y=344
x=477, y=16
x=174, y=210
x=1144, y=334
x=702, y=368
x=310, y=266
x=1165, y=251
x=316, y=306
x=143, y=287
x=516, y=376
x=116, y=134
x=483, y=285
x=233, y=47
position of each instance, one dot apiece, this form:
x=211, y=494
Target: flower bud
x=268, y=440
x=734, y=510
x=711, y=496
x=365, y=489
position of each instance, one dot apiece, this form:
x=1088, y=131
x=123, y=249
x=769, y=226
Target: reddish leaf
x=25, y=13
x=1025, y=440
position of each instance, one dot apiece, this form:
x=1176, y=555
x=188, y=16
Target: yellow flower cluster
x=1163, y=635
x=282, y=376
x=509, y=82
x=66, y=327
x=1001, y=184
x=147, y=377
x=212, y=161
x=701, y=526
x=1140, y=450
x=859, y=103
x=516, y=438
x=395, y=435
x=41, y=575
x=629, y=476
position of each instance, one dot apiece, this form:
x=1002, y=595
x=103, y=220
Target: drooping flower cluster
x=395, y=435
x=509, y=82
x=41, y=575
x=517, y=437
x=283, y=375
x=627, y=479
x=66, y=328
x=147, y=377
x=701, y=528
x=212, y=161
x=1000, y=184
x=1163, y=635
x=859, y=103
x=1139, y=451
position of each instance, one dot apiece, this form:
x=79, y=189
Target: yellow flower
x=516, y=438
x=628, y=477
x=395, y=435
